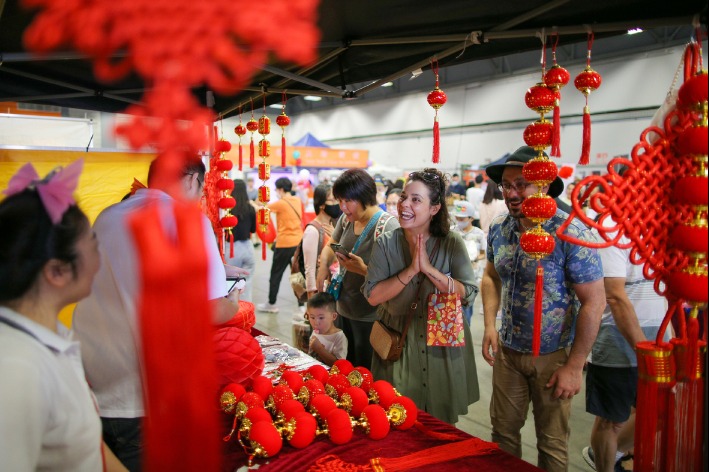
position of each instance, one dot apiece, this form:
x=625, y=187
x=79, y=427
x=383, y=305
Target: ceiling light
x=312, y=98
x=388, y=84
x=275, y=105
x=415, y=73
x=635, y=30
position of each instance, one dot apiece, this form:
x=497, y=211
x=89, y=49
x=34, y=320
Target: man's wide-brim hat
x=518, y=159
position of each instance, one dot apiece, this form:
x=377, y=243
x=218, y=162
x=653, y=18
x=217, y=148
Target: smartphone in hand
x=340, y=250
x=238, y=283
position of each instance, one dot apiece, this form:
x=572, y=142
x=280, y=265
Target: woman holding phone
x=406, y=266
x=361, y=221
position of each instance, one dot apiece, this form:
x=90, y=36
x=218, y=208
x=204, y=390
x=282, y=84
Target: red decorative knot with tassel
x=240, y=131
x=556, y=78
x=252, y=126
x=436, y=98
x=586, y=82
x=283, y=121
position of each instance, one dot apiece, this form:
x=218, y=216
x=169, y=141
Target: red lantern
x=336, y=385
x=264, y=148
x=383, y=393
x=264, y=125
x=225, y=184
x=407, y=413
x=339, y=426
x=265, y=439
x=341, y=366
x=238, y=356
x=264, y=194
x=539, y=207
x=357, y=400
x=540, y=171
x=224, y=165
x=377, y=422
x=692, y=190
x=283, y=121
x=557, y=77
x=262, y=385
x=222, y=146
x=240, y=131
x=293, y=379
x=693, y=91
x=540, y=98
x=537, y=243
x=252, y=126
x=693, y=141
x=586, y=82
x=690, y=238
x=538, y=135
x=689, y=286
x=322, y=405
x=228, y=221
x=226, y=202
x=304, y=430
x=264, y=171
x=436, y=98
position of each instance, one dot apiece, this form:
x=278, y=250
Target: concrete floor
x=477, y=421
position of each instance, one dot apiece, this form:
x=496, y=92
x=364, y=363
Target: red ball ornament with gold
x=225, y=201
x=436, y=98
x=283, y=121
x=586, y=82
x=240, y=131
x=252, y=126
x=556, y=78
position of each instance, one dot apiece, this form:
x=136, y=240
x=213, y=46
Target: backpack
x=297, y=276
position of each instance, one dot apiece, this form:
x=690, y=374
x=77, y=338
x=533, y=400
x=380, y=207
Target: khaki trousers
x=517, y=379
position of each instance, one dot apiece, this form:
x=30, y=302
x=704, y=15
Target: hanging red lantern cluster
x=541, y=171
x=556, y=78
x=283, y=121
x=436, y=98
x=304, y=405
x=586, y=82
x=225, y=202
x=240, y=131
x=263, y=216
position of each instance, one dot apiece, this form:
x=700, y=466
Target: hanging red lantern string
x=586, y=82
x=252, y=126
x=263, y=217
x=283, y=121
x=436, y=98
x=556, y=78
x=240, y=131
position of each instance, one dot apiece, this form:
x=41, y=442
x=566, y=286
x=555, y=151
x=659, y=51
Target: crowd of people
x=376, y=251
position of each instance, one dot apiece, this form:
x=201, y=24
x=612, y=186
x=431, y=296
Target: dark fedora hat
x=518, y=159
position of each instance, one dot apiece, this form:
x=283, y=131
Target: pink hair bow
x=56, y=190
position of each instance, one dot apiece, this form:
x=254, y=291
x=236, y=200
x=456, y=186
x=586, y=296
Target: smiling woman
x=407, y=265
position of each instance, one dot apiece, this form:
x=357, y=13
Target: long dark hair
x=320, y=196
x=242, y=198
x=436, y=183
x=356, y=184
x=492, y=192
x=28, y=240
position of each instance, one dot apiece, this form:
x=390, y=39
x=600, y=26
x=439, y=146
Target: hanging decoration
x=556, y=78
x=660, y=204
x=240, y=131
x=539, y=207
x=586, y=82
x=252, y=126
x=283, y=121
x=225, y=185
x=263, y=216
x=436, y=98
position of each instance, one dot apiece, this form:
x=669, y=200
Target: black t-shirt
x=246, y=225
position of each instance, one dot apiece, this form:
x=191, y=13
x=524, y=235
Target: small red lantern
x=264, y=171
x=556, y=78
x=436, y=98
x=265, y=439
x=283, y=121
x=690, y=238
x=586, y=82
x=540, y=98
x=537, y=243
x=264, y=194
x=228, y=221
x=693, y=91
x=224, y=165
x=225, y=184
x=252, y=126
x=538, y=135
x=693, y=141
x=339, y=426
x=540, y=171
x=689, y=285
x=240, y=131
x=264, y=148
x=264, y=125
x=226, y=203
x=539, y=207
x=692, y=190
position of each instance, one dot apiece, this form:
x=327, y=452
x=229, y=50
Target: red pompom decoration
x=336, y=385
x=377, y=422
x=252, y=125
x=230, y=396
x=240, y=130
x=293, y=379
x=225, y=184
x=689, y=238
x=693, y=91
x=539, y=208
x=289, y=408
x=228, y=221
x=309, y=389
x=283, y=120
x=688, y=286
x=265, y=439
x=557, y=76
x=410, y=413
x=540, y=171
x=357, y=400
x=305, y=429
x=280, y=394
x=262, y=385
x=565, y=172
x=437, y=98
x=587, y=81
x=224, y=165
x=226, y=203
x=693, y=141
x=238, y=356
x=318, y=372
x=250, y=400
x=339, y=426
x=537, y=243
x=222, y=146
x=382, y=392
x=691, y=190
x=538, y=135
x=322, y=404
x=540, y=98
x=256, y=414
x=341, y=366
x=360, y=377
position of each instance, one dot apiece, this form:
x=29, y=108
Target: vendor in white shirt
x=475, y=241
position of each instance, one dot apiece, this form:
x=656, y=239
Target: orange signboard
x=308, y=157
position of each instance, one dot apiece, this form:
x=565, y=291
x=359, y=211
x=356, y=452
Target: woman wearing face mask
x=393, y=202
x=318, y=232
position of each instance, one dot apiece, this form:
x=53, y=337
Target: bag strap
x=383, y=220
x=372, y=221
x=300, y=217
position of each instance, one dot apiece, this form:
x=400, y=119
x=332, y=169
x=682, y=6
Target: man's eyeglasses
x=519, y=187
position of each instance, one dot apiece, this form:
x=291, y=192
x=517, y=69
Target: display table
x=361, y=449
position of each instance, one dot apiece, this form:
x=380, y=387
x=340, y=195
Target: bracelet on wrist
x=399, y=279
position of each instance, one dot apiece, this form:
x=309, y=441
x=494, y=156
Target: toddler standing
x=327, y=343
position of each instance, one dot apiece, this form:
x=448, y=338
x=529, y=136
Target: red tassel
x=436, y=141
x=231, y=244
x=283, y=150
x=263, y=251
x=252, y=159
x=538, y=297
x=556, y=133
x=586, y=146
x=241, y=157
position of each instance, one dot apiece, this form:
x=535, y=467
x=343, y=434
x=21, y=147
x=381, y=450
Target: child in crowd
x=475, y=242
x=327, y=343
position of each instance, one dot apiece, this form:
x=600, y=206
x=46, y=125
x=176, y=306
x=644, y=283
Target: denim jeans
x=124, y=436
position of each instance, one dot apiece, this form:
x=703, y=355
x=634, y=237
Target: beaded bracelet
x=397, y=278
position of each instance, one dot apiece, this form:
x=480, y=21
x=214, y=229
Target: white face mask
x=462, y=224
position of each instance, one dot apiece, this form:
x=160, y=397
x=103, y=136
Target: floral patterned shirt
x=569, y=264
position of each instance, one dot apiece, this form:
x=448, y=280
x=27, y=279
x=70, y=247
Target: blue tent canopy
x=310, y=141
